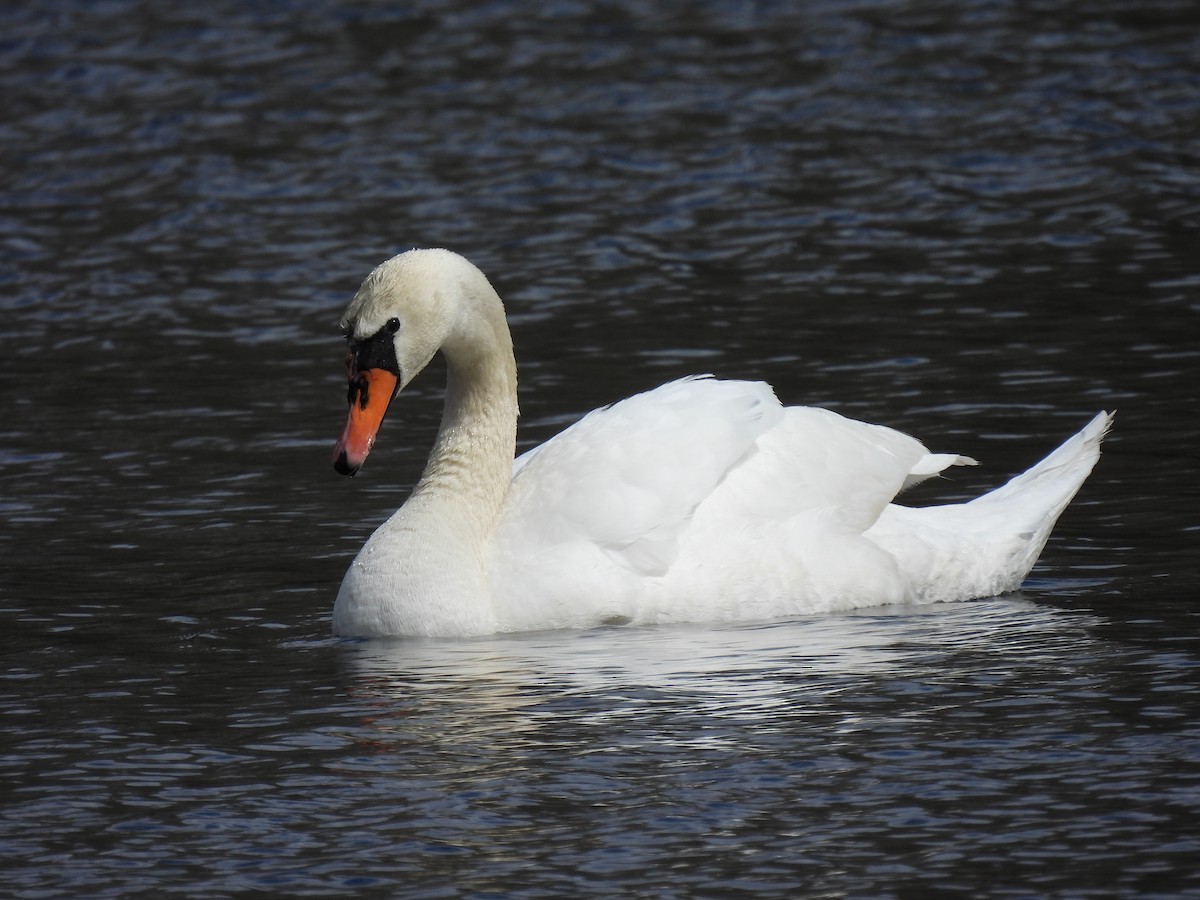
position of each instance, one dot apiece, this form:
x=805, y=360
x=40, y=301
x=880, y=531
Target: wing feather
x=628, y=477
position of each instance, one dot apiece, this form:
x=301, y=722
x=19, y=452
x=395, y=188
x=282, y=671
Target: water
x=976, y=222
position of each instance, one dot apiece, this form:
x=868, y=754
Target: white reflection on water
x=749, y=674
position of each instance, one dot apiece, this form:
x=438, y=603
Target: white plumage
x=701, y=500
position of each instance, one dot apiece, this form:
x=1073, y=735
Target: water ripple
x=976, y=222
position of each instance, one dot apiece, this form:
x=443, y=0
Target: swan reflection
x=694, y=685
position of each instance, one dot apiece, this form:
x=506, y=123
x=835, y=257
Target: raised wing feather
x=815, y=459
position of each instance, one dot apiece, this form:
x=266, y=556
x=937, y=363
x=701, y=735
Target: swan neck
x=470, y=466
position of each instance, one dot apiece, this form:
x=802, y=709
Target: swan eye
x=393, y=325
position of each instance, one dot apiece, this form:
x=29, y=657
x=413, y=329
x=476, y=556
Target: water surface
x=976, y=222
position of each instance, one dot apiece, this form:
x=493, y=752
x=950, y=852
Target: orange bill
x=371, y=391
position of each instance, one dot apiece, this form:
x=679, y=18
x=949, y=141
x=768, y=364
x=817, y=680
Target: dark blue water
x=977, y=222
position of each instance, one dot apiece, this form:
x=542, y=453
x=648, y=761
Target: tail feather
x=988, y=545
x=1066, y=467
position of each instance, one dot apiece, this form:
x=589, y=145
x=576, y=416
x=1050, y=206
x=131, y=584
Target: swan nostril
x=358, y=391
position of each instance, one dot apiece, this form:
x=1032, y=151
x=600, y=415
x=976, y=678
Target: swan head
x=404, y=312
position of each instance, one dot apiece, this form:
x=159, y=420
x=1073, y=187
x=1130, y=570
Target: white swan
x=701, y=500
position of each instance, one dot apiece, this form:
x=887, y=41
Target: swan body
x=701, y=500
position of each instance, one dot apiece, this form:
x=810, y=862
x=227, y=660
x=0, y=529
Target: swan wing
x=631, y=477
x=628, y=478
x=816, y=459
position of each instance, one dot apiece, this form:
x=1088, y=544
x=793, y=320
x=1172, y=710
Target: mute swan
x=701, y=500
